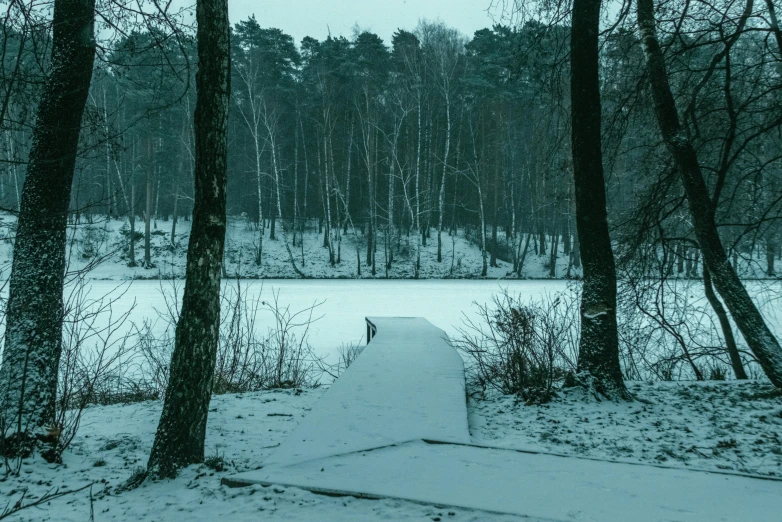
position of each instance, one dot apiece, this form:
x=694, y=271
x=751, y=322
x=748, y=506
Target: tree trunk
x=132, y=219
x=575, y=252
x=179, y=440
x=727, y=331
x=175, y=216
x=599, y=344
x=33, y=335
x=553, y=257
x=745, y=314
x=680, y=258
x=441, y=197
x=147, y=220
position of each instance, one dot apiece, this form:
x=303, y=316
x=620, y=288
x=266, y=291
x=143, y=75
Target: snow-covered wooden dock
x=408, y=384
x=394, y=425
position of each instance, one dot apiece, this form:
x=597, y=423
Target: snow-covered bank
x=712, y=425
x=104, y=243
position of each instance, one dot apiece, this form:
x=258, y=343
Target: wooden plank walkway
x=407, y=384
x=394, y=425
x=534, y=486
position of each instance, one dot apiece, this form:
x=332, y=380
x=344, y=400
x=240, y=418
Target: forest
x=430, y=133
x=639, y=141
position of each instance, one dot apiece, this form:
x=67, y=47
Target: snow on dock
x=394, y=425
x=407, y=384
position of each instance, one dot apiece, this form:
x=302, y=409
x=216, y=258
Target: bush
x=521, y=348
x=348, y=353
x=248, y=359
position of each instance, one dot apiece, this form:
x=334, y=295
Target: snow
x=108, y=239
x=712, y=425
x=539, y=486
x=729, y=426
x=244, y=429
x=390, y=437
x=408, y=383
x=345, y=302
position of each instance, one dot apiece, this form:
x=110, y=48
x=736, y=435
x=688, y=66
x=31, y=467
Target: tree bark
x=147, y=220
x=745, y=314
x=33, y=335
x=727, y=331
x=132, y=220
x=179, y=440
x=599, y=344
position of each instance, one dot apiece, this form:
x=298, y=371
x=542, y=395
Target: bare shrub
x=93, y=359
x=668, y=331
x=348, y=353
x=91, y=363
x=262, y=344
x=521, y=348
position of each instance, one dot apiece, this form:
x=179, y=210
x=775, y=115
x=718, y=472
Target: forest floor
x=103, y=246
x=716, y=425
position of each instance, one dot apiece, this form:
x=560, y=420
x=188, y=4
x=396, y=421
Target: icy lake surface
x=345, y=303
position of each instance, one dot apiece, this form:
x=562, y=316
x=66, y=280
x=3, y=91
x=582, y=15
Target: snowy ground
x=107, y=240
x=713, y=425
x=709, y=425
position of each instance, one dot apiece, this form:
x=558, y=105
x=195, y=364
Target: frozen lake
x=345, y=302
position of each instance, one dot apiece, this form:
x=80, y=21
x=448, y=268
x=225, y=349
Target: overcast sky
x=315, y=18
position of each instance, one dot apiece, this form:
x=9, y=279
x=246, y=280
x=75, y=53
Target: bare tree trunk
x=417, y=267
x=441, y=198
x=553, y=257
x=259, y=188
x=179, y=440
x=147, y=220
x=132, y=220
x=484, y=267
x=327, y=195
x=599, y=345
x=33, y=335
x=306, y=186
x=727, y=331
x=745, y=314
x=176, y=215
x=269, y=122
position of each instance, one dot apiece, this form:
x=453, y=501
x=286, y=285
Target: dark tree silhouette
x=753, y=327
x=33, y=335
x=180, y=436
x=599, y=344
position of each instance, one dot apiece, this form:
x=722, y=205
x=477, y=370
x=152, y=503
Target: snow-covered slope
x=104, y=243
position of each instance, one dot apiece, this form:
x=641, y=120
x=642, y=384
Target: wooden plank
x=407, y=384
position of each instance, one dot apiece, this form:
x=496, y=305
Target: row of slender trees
x=431, y=133
x=406, y=132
